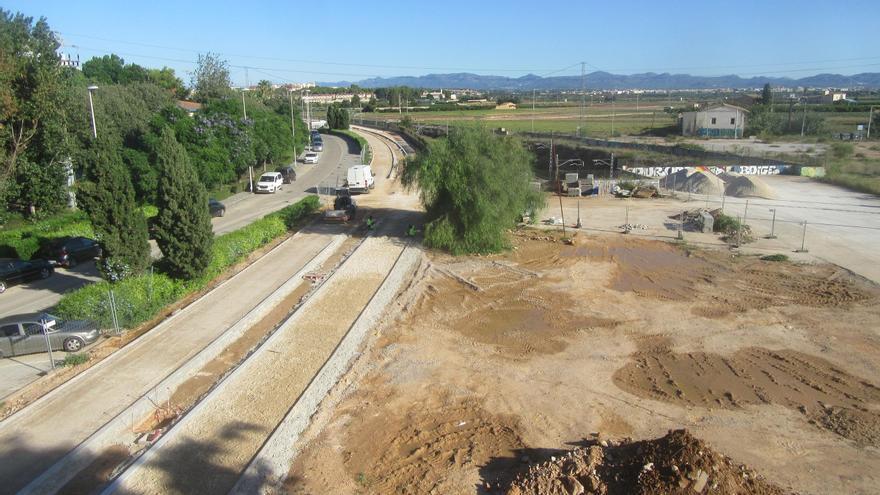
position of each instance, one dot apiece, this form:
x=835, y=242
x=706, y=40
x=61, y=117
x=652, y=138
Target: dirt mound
x=742, y=186
x=695, y=181
x=830, y=397
x=677, y=463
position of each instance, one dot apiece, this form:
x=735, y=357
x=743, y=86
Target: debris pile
x=645, y=192
x=694, y=181
x=677, y=463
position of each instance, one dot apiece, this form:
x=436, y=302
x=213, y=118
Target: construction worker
x=371, y=224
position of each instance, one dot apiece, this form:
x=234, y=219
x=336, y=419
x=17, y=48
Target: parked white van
x=360, y=179
x=269, y=182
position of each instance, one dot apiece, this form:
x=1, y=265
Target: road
x=241, y=209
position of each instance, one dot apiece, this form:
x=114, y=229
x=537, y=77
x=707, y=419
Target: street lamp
x=92, y=109
x=292, y=123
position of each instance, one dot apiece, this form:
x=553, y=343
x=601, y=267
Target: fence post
x=772, y=225
x=48, y=342
x=803, y=248
x=681, y=227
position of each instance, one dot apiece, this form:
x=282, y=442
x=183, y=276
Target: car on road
x=216, y=208
x=13, y=271
x=310, y=157
x=25, y=334
x=270, y=182
x=288, y=174
x=317, y=145
x=69, y=251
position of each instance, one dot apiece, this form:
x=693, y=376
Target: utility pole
x=804, y=120
x=243, y=105
x=583, y=96
x=870, y=118
x=292, y=123
x=533, y=113
x=613, y=111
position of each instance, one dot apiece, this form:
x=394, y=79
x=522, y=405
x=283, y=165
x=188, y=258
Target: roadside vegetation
x=365, y=150
x=141, y=297
x=856, y=167
x=474, y=185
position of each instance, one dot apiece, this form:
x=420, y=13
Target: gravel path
x=207, y=450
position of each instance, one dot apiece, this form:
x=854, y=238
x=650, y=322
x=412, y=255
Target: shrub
x=24, y=242
x=726, y=223
x=75, y=359
x=141, y=297
x=841, y=150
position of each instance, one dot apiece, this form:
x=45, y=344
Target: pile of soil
x=677, y=463
x=694, y=181
x=742, y=186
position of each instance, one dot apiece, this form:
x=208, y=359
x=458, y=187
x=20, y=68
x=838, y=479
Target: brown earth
x=677, y=463
x=616, y=335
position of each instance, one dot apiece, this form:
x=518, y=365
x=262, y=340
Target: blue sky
x=306, y=41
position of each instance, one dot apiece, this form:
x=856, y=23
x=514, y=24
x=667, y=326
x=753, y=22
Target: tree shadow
x=499, y=472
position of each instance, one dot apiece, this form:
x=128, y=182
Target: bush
x=75, y=359
x=24, y=242
x=726, y=224
x=141, y=297
x=841, y=150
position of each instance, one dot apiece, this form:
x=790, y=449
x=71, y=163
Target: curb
x=80, y=457
x=271, y=464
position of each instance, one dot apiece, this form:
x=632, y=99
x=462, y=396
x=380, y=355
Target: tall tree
x=264, y=90
x=474, y=185
x=211, y=77
x=167, y=80
x=108, y=197
x=767, y=95
x=183, y=226
x=30, y=93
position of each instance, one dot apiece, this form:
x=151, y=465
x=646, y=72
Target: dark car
x=288, y=174
x=69, y=251
x=216, y=208
x=25, y=334
x=13, y=271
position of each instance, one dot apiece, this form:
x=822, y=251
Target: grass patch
x=142, y=297
x=774, y=257
x=75, y=359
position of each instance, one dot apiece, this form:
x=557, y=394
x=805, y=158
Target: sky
x=291, y=41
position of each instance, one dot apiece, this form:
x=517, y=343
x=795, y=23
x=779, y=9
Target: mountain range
x=605, y=80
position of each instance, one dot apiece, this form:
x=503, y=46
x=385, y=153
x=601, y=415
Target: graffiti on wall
x=717, y=170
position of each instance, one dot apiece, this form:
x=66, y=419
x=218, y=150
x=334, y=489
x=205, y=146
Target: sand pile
x=742, y=186
x=695, y=181
x=677, y=463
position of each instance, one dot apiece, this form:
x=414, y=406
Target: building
x=506, y=106
x=721, y=121
x=190, y=107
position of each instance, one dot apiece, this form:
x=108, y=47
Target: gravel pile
x=694, y=181
x=742, y=186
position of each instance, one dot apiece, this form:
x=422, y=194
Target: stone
x=700, y=482
x=573, y=486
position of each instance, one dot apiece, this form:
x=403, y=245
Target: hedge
x=142, y=297
x=24, y=242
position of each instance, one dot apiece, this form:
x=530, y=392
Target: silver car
x=23, y=334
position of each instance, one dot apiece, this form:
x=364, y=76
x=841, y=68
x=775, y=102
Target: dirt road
x=34, y=438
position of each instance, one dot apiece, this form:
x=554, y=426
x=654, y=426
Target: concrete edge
x=79, y=458
x=270, y=466
x=154, y=333
x=121, y=482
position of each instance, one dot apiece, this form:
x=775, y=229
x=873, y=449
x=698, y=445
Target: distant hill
x=605, y=80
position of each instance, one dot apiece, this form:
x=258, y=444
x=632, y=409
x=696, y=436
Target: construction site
x=619, y=346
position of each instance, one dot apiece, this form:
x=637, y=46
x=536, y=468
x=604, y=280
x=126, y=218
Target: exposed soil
x=616, y=335
x=677, y=463
x=97, y=473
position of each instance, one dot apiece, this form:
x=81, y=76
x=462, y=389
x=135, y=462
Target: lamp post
x=292, y=123
x=92, y=110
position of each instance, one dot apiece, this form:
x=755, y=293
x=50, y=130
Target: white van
x=269, y=182
x=360, y=179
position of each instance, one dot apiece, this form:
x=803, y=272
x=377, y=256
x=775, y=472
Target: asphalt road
x=241, y=209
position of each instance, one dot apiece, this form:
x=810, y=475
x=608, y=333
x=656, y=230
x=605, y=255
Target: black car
x=13, y=271
x=69, y=251
x=216, y=208
x=288, y=174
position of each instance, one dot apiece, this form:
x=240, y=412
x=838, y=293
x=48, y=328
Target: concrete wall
x=728, y=122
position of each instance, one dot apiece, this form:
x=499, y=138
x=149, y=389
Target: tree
x=108, y=197
x=166, y=79
x=767, y=95
x=211, y=77
x=183, y=225
x=474, y=186
x=355, y=101
x=337, y=116
x=264, y=90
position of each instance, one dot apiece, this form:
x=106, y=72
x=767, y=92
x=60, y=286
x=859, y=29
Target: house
x=833, y=96
x=190, y=107
x=506, y=106
x=721, y=121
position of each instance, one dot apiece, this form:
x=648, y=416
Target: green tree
x=166, y=79
x=183, y=225
x=474, y=186
x=337, y=116
x=767, y=95
x=264, y=90
x=108, y=197
x=211, y=77
x=104, y=70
